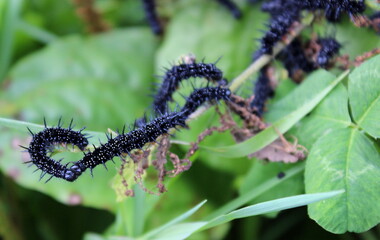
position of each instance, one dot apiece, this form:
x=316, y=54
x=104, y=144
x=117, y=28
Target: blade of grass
x=270, y=134
x=179, y=231
x=151, y=234
x=255, y=192
x=9, y=13
x=271, y=206
x=182, y=231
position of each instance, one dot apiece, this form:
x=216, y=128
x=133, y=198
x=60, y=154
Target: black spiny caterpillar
x=123, y=143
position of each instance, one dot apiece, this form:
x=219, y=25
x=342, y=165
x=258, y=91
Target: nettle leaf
x=98, y=81
x=100, y=77
x=345, y=159
x=364, y=94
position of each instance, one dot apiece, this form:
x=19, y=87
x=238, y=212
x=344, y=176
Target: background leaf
x=93, y=80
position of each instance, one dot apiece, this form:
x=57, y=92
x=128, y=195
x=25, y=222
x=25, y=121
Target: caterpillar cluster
x=294, y=59
x=123, y=143
x=299, y=57
x=284, y=13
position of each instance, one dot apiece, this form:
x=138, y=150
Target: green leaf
x=307, y=103
x=345, y=159
x=364, y=94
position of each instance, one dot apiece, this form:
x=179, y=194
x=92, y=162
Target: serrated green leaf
x=305, y=104
x=345, y=159
x=364, y=94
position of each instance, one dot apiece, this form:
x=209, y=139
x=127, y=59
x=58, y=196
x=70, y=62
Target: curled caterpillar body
x=44, y=140
x=123, y=143
x=176, y=74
